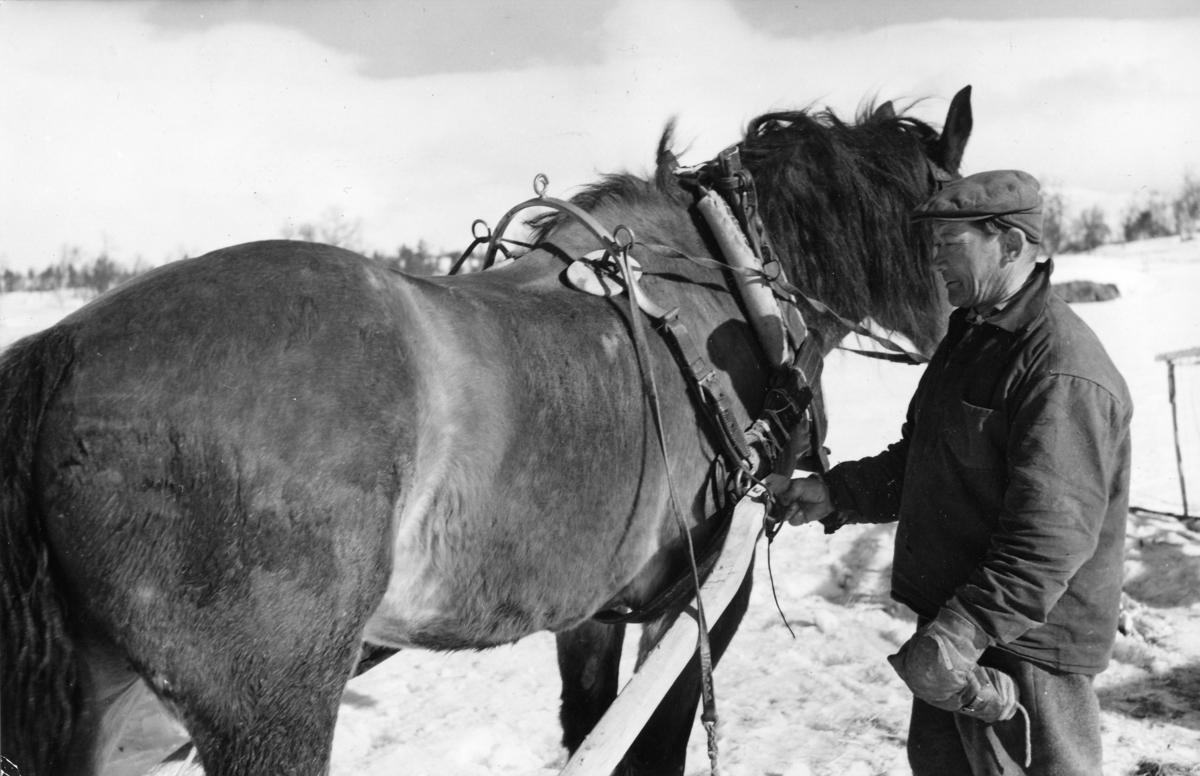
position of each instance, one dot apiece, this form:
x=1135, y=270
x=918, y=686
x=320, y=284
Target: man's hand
x=994, y=696
x=798, y=501
x=938, y=662
x=990, y=695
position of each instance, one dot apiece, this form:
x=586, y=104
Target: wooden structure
x=1189, y=356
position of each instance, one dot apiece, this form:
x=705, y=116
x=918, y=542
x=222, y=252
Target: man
x=1010, y=484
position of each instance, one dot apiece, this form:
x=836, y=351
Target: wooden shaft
x=603, y=749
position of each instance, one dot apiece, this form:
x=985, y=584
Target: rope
x=1028, y=736
x=771, y=576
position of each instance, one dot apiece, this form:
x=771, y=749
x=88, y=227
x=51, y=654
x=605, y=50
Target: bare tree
x=1148, y=216
x=421, y=260
x=1186, y=207
x=1053, y=221
x=332, y=228
x=1090, y=230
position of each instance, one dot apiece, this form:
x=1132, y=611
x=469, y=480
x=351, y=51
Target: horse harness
x=790, y=432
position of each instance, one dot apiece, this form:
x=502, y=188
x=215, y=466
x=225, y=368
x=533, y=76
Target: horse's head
x=836, y=199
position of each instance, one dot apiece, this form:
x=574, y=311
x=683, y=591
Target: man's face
x=970, y=263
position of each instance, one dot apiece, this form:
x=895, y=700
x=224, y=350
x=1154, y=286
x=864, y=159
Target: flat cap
x=1009, y=197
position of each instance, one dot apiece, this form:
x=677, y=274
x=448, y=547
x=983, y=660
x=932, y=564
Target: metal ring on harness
x=485, y=237
x=622, y=229
x=540, y=182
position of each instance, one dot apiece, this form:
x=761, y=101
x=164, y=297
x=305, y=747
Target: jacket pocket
x=978, y=437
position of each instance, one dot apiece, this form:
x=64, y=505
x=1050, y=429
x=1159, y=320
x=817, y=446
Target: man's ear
x=1012, y=241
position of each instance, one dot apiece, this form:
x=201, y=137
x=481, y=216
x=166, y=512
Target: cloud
x=408, y=38
x=160, y=140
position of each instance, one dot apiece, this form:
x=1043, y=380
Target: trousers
x=1063, y=729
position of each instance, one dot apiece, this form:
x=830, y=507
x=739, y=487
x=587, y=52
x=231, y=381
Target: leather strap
x=711, y=389
x=703, y=644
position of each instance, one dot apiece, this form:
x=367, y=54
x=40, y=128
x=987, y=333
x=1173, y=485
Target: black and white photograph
x=590, y=387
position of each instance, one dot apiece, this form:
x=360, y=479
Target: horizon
x=158, y=130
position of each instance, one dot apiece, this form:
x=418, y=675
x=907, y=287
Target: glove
x=996, y=695
x=939, y=660
x=990, y=695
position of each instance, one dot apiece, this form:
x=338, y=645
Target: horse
x=228, y=478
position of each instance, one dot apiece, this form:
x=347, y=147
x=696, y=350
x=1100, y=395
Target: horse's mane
x=835, y=199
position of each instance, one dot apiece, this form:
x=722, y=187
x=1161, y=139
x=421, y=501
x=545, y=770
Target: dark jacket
x=1010, y=482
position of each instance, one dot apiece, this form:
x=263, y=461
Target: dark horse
x=223, y=478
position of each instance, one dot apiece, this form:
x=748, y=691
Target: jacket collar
x=1024, y=307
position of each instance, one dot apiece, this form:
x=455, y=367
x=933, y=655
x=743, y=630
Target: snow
x=827, y=702
x=25, y=312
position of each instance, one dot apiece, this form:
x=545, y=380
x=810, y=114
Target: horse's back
x=275, y=317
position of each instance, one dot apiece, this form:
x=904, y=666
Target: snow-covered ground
x=827, y=703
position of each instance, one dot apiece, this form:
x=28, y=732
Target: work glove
x=940, y=665
x=996, y=697
x=990, y=695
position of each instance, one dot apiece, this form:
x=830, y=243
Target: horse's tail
x=39, y=663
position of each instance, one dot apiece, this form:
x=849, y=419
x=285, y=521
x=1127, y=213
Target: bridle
x=938, y=175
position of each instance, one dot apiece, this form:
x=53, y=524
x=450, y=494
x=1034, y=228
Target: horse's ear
x=956, y=131
x=665, y=161
x=885, y=111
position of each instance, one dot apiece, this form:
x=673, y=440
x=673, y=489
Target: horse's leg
x=661, y=747
x=272, y=712
x=589, y=658
x=126, y=728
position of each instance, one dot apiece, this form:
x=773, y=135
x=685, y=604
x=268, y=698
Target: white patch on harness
x=599, y=276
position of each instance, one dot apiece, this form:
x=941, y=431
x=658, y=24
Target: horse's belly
x=482, y=578
x=473, y=601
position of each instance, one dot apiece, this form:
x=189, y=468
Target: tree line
x=332, y=229
x=91, y=276
x=1147, y=216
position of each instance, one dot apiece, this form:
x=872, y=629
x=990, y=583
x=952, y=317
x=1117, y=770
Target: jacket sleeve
x=870, y=488
x=1068, y=441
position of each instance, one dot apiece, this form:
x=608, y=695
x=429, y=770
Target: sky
x=154, y=130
